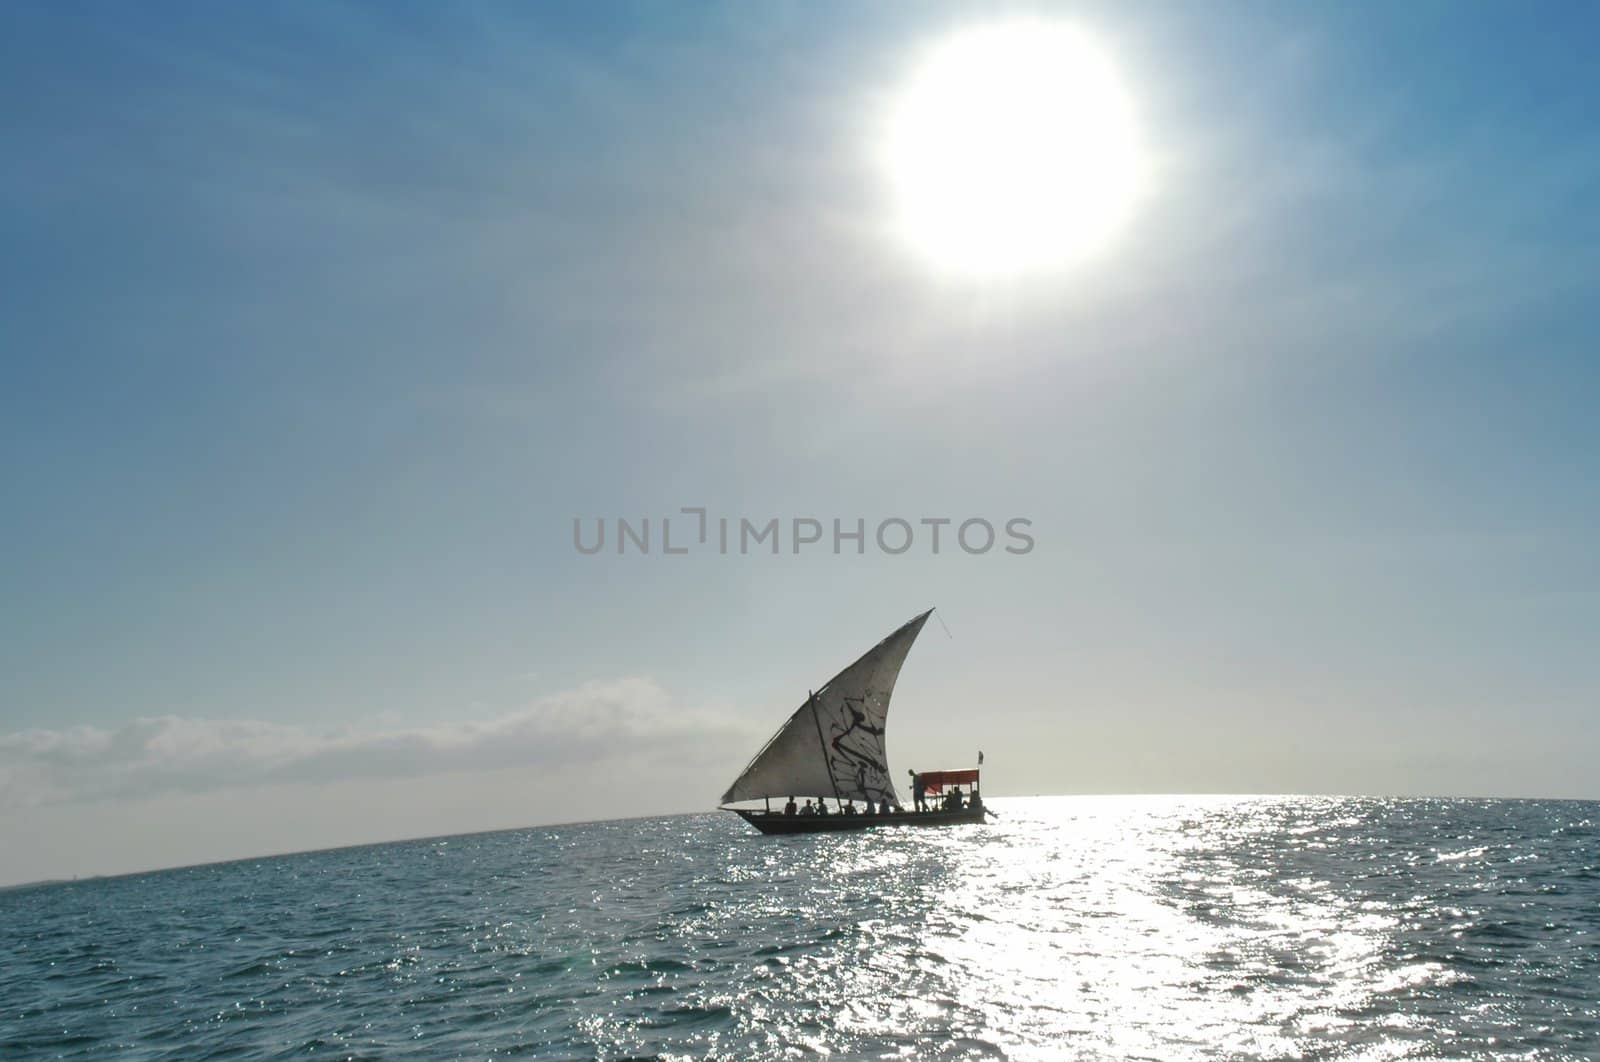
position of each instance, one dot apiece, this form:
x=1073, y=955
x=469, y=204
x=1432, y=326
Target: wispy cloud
x=629, y=719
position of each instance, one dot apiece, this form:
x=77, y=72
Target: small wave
x=646, y=968
x=1453, y=857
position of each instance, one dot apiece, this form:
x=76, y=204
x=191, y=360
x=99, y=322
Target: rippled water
x=1072, y=927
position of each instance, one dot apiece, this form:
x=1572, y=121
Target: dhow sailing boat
x=832, y=748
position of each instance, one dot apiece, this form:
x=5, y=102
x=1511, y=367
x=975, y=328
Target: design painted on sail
x=833, y=744
x=856, y=754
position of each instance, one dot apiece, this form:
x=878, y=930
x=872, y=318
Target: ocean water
x=1156, y=928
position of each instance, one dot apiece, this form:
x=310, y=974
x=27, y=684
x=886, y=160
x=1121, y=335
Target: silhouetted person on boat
x=788, y=809
x=919, y=792
x=976, y=801
x=850, y=807
x=822, y=806
x=808, y=809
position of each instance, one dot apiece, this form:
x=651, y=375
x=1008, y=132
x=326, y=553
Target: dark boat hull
x=777, y=822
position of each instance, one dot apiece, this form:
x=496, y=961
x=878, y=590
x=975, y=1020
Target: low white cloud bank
x=603, y=724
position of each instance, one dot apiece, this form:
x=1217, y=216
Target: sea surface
x=1071, y=927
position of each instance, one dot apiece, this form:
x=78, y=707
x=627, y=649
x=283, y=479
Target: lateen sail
x=832, y=746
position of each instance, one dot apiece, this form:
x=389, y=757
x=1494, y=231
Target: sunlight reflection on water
x=1138, y=927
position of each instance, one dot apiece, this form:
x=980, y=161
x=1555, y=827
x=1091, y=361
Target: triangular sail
x=833, y=745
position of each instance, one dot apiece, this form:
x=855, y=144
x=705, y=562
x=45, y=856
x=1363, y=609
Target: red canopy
x=933, y=781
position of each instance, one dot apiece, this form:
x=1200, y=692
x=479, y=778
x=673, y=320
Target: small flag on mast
x=980, y=757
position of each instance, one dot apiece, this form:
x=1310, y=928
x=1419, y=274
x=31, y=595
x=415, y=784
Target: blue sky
x=323, y=322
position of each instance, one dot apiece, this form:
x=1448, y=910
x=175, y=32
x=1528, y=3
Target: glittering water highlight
x=1130, y=927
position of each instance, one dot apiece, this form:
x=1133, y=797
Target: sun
x=1012, y=148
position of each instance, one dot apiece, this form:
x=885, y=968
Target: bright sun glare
x=1011, y=149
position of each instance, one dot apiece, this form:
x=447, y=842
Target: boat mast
x=811, y=699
